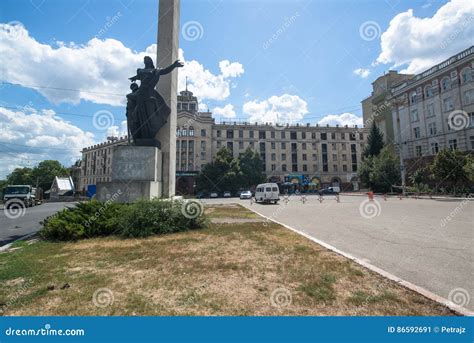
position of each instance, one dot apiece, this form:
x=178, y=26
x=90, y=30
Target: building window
x=466, y=75
x=283, y=157
x=343, y=146
x=303, y=146
x=219, y=144
x=218, y=133
x=203, y=133
x=251, y=135
x=294, y=167
x=471, y=119
x=274, y=157
x=203, y=155
x=333, y=146
x=313, y=135
x=453, y=144
x=412, y=97
x=261, y=134
x=304, y=157
x=448, y=104
x=471, y=138
x=272, y=134
x=283, y=145
x=414, y=115
x=430, y=110
x=305, y=168
x=432, y=129
x=241, y=145
x=343, y=135
x=361, y=136
x=446, y=84
x=203, y=145
x=315, y=157
x=428, y=91
x=191, y=131
x=469, y=97
x=315, y=167
x=333, y=136
x=293, y=135
x=334, y=168
x=416, y=132
x=184, y=132
x=241, y=133
x=434, y=148
x=314, y=146
x=344, y=167
x=334, y=157
x=283, y=167
x=283, y=134
x=418, y=150
x=324, y=136
x=273, y=167
x=303, y=135
x=230, y=134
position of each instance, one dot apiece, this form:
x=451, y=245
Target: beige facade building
x=435, y=109
x=310, y=155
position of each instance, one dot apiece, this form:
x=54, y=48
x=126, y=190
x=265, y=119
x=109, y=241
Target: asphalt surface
x=426, y=242
x=14, y=225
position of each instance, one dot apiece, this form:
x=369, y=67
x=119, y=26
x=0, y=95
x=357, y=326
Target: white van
x=267, y=192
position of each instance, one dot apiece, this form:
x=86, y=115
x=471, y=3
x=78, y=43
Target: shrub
x=139, y=219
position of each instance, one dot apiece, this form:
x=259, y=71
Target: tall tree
x=380, y=172
x=43, y=174
x=20, y=176
x=375, y=142
x=251, y=168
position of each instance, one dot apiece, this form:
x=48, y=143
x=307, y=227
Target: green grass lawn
x=226, y=269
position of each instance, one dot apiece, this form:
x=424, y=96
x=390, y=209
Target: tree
x=226, y=173
x=20, y=176
x=375, y=142
x=449, y=167
x=251, y=168
x=380, y=172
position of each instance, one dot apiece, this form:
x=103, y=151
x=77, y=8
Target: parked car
x=200, y=195
x=331, y=190
x=227, y=194
x=267, y=192
x=245, y=195
x=214, y=195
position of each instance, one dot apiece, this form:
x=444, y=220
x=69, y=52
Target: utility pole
x=397, y=103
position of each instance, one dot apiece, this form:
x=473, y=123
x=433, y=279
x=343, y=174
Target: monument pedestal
x=136, y=174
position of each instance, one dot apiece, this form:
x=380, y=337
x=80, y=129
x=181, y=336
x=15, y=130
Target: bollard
x=286, y=198
x=251, y=201
x=385, y=196
x=320, y=198
x=337, y=198
x=400, y=196
x=303, y=199
x=371, y=196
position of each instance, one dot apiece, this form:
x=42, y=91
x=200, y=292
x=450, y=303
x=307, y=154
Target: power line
x=61, y=89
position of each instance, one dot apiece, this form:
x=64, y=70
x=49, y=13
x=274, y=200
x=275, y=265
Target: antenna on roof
x=186, y=83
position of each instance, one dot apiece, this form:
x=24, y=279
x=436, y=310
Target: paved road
x=12, y=229
x=426, y=242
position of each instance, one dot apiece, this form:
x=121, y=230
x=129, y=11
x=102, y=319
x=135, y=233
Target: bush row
x=140, y=219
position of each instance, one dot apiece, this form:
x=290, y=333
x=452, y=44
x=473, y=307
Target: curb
x=428, y=294
x=7, y=246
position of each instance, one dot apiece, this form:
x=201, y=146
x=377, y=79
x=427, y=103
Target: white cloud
x=349, y=119
x=419, y=43
x=29, y=136
x=231, y=69
x=116, y=131
x=227, y=111
x=276, y=109
x=362, y=72
x=99, y=66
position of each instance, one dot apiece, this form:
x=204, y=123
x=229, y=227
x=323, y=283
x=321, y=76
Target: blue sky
x=303, y=60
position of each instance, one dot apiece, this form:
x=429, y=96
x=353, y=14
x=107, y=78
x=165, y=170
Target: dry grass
x=227, y=269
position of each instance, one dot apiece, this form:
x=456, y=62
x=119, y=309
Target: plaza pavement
x=426, y=242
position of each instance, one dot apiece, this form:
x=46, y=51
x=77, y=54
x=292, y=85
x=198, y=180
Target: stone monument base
x=136, y=174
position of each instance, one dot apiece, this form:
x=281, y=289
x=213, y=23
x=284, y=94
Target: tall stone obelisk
x=168, y=45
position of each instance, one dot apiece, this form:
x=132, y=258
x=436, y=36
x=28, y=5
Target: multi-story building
x=306, y=154
x=378, y=106
x=435, y=109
